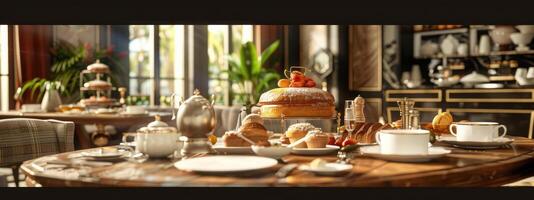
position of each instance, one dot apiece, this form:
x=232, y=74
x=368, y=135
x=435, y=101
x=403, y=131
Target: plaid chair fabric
x=23, y=139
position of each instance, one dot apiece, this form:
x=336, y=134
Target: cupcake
x=298, y=131
x=318, y=140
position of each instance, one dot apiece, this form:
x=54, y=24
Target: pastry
x=98, y=67
x=298, y=131
x=284, y=139
x=253, y=131
x=318, y=140
x=441, y=122
x=296, y=102
x=253, y=118
x=97, y=84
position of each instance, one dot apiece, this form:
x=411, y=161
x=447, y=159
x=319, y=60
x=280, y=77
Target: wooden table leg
x=83, y=141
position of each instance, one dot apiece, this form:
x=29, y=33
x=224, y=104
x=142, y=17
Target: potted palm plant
x=249, y=72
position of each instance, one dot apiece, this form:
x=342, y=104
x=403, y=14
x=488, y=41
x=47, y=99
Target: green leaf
x=254, y=66
x=268, y=52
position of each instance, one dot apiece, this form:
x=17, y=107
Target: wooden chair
x=24, y=139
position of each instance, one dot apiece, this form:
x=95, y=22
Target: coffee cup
x=403, y=141
x=477, y=131
x=135, y=109
x=156, y=145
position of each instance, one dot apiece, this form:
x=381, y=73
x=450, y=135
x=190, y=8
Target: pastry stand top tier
x=102, y=73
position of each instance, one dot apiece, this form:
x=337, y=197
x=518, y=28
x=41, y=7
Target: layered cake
x=296, y=97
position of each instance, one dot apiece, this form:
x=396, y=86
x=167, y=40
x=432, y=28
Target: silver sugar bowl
x=195, y=119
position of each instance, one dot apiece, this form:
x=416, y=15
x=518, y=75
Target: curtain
x=33, y=59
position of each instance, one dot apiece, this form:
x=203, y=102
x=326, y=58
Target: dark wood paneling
x=365, y=57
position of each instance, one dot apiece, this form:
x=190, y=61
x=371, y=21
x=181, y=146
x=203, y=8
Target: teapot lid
x=158, y=126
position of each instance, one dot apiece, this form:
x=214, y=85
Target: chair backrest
x=23, y=139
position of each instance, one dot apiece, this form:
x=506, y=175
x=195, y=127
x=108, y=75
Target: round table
x=82, y=141
x=460, y=168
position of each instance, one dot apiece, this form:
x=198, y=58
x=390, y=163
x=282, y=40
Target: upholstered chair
x=24, y=139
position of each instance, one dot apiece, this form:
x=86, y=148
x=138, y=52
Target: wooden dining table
x=83, y=141
x=462, y=167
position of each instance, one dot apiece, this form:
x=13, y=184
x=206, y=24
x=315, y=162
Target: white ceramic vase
x=51, y=99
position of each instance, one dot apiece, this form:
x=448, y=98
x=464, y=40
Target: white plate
x=315, y=151
x=331, y=169
x=433, y=153
x=225, y=164
x=219, y=147
x=497, y=143
x=103, y=155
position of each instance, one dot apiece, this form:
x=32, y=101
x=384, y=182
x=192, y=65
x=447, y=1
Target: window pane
x=217, y=52
x=139, y=86
x=168, y=87
x=172, y=51
x=141, y=50
x=240, y=35
x=4, y=69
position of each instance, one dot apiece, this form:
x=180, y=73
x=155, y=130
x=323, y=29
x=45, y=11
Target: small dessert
x=253, y=118
x=298, y=131
x=97, y=84
x=441, y=122
x=317, y=140
x=318, y=163
x=98, y=67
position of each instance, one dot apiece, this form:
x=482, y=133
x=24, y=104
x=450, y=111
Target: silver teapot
x=195, y=119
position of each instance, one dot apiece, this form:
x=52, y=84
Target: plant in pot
x=67, y=62
x=249, y=72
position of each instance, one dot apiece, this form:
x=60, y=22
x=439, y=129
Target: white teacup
x=135, y=109
x=403, y=141
x=156, y=145
x=477, y=131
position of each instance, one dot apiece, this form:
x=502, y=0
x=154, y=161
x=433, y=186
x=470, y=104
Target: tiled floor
x=10, y=177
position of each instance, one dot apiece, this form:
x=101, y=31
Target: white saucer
x=331, y=169
x=98, y=155
x=315, y=151
x=497, y=143
x=433, y=153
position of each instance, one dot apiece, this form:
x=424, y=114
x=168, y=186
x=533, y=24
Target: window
x=4, y=69
x=157, y=62
x=224, y=40
x=154, y=81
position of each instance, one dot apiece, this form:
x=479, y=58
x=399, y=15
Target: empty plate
x=433, y=153
x=225, y=164
x=497, y=143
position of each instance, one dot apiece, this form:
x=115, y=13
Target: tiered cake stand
x=103, y=95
